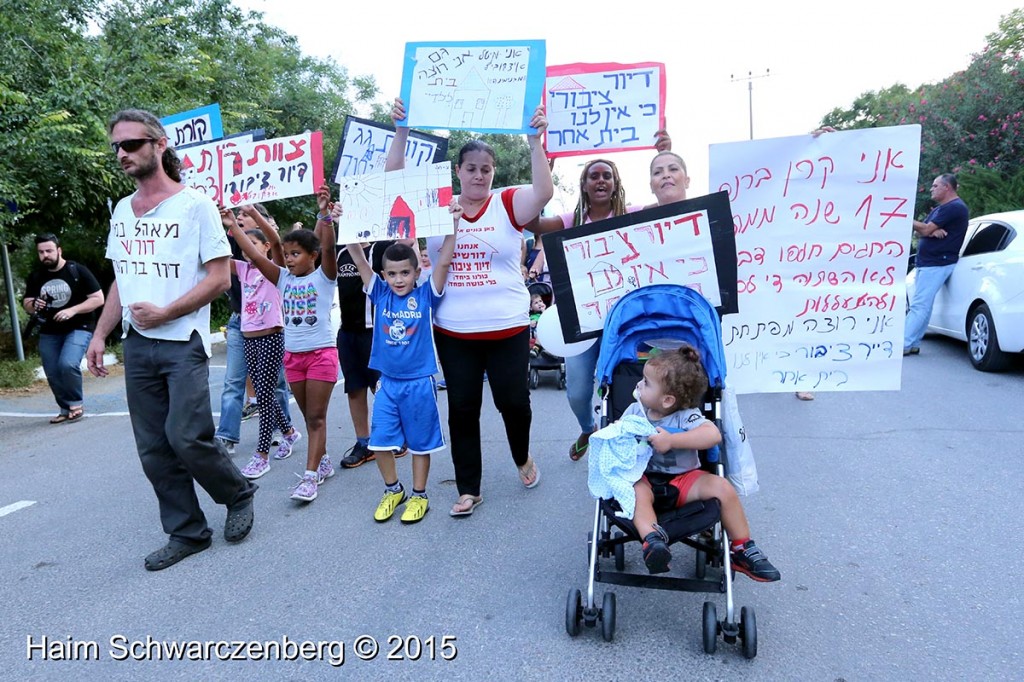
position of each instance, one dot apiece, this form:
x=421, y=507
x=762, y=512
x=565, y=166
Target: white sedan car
x=983, y=302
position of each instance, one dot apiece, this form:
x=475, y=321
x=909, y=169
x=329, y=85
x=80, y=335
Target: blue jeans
x=579, y=385
x=928, y=280
x=232, y=397
x=62, y=361
x=233, y=394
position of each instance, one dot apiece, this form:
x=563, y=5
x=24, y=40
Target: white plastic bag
x=739, y=463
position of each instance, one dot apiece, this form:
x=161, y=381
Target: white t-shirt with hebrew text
x=161, y=256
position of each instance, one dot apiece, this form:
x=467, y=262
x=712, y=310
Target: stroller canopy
x=662, y=313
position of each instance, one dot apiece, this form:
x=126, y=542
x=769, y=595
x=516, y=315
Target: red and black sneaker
x=752, y=562
x=656, y=552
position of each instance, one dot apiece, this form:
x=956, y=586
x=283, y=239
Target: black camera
x=39, y=317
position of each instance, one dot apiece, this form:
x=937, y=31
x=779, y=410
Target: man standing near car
x=170, y=258
x=64, y=294
x=938, y=249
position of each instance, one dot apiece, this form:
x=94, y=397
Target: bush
x=14, y=374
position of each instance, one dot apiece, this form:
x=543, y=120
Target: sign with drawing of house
x=598, y=108
x=483, y=86
x=402, y=204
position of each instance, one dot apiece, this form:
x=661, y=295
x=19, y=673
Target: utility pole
x=750, y=92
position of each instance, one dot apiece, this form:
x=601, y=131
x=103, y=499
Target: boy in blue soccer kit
x=405, y=406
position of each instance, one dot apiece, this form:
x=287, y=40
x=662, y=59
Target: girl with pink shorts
x=310, y=357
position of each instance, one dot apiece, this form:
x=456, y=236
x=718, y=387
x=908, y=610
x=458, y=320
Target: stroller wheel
x=534, y=378
x=608, y=617
x=710, y=627
x=700, y=568
x=748, y=631
x=620, y=554
x=573, y=612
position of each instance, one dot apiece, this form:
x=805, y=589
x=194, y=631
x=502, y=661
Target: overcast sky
x=819, y=56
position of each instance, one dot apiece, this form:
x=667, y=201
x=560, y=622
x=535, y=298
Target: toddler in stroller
x=541, y=360
x=669, y=396
x=674, y=491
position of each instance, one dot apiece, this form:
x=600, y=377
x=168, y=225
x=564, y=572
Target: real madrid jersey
x=403, y=344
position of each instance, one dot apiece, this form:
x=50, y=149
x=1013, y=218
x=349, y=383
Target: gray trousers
x=168, y=387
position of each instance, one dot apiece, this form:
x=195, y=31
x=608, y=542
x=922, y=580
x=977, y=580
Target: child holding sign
x=310, y=358
x=262, y=337
x=405, y=408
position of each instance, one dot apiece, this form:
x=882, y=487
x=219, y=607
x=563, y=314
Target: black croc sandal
x=239, y=522
x=172, y=553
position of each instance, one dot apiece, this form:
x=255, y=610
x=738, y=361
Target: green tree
x=971, y=121
x=512, y=157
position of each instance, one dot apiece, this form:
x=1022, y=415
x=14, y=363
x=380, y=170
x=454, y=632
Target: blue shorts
x=405, y=414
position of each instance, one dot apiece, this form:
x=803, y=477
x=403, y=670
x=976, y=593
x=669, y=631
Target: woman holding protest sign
x=482, y=323
x=602, y=196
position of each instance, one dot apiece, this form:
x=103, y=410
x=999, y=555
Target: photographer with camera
x=61, y=296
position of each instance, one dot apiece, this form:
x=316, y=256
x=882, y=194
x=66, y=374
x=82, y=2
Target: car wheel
x=983, y=343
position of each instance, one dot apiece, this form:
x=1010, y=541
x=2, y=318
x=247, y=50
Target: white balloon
x=549, y=336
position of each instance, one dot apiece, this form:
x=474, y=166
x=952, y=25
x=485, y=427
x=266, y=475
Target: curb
x=108, y=359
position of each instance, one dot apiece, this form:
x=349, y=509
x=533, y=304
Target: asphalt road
x=893, y=517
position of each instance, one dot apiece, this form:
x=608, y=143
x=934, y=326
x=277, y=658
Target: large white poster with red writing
x=689, y=243
x=823, y=229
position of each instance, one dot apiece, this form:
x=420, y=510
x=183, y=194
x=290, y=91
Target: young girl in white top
x=311, y=357
x=262, y=338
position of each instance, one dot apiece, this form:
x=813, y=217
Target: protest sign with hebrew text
x=823, y=230
x=690, y=243
x=484, y=86
x=597, y=108
x=194, y=126
x=200, y=163
x=266, y=170
x=365, y=145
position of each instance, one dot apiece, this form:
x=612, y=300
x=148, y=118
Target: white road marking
x=11, y=508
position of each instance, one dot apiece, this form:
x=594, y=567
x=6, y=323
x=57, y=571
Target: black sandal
x=173, y=552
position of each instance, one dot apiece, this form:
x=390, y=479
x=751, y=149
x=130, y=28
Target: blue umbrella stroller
x=661, y=317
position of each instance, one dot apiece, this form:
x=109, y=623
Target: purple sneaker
x=305, y=490
x=284, y=450
x=326, y=469
x=256, y=467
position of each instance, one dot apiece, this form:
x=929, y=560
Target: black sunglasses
x=130, y=145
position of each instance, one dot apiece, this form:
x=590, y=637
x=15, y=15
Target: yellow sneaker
x=415, y=509
x=388, y=504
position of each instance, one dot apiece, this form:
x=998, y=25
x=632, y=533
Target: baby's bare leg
x=644, y=517
x=734, y=520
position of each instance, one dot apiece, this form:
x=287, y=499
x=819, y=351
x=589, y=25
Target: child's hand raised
x=661, y=441
x=227, y=217
x=336, y=211
x=323, y=198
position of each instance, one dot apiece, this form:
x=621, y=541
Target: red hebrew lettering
x=703, y=267
x=297, y=150
x=605, y=279
x=693, y=218
x=605, y=250
x=625, y=239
